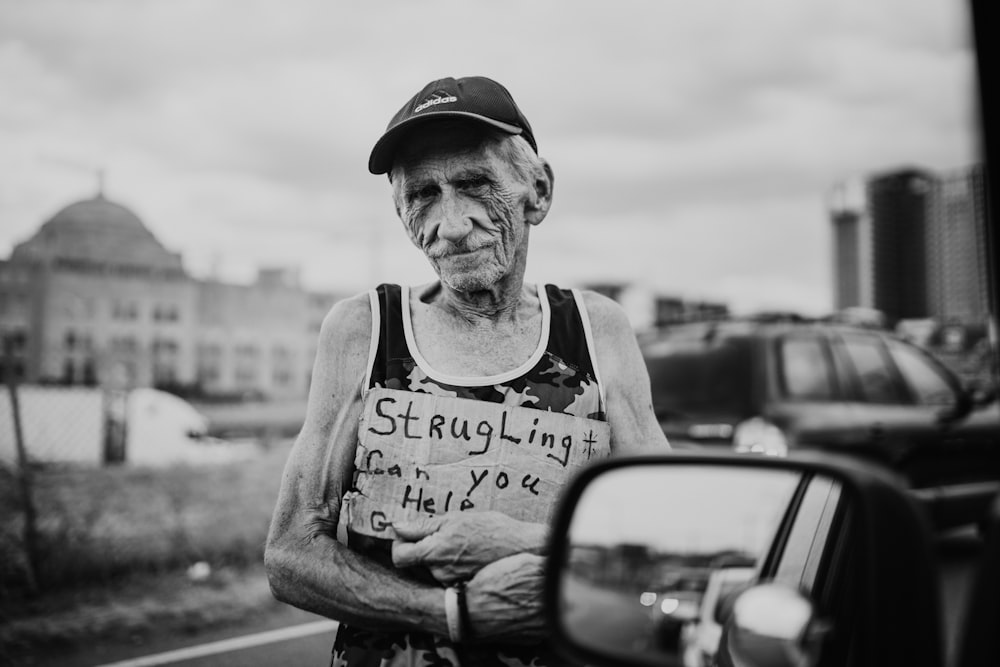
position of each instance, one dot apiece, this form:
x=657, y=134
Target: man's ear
x=536, y=209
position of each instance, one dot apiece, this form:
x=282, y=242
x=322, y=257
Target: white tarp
x=164, y=429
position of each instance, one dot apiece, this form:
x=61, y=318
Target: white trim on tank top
x=470, y=380
x=373, y=343
x=581, y=307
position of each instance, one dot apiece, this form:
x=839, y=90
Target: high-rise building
x=910, y=243
x=956, y=247
x=852, y=280
x=898, y=204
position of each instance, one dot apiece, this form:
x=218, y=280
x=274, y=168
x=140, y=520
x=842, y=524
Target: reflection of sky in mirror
x=683, y=509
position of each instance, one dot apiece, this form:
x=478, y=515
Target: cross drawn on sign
x=424, y=454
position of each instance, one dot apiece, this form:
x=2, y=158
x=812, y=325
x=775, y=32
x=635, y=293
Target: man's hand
x=505, y=601
x=456, y=546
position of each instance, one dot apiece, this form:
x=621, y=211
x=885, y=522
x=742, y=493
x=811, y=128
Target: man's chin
x=470, y=281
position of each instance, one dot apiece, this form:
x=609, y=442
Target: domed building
x=98, y=232
x=93, y=297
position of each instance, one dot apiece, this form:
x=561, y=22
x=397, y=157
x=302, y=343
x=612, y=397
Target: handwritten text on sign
x=424, y=454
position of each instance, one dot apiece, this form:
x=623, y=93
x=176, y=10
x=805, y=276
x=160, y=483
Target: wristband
x=453, y=613
x=465, y=621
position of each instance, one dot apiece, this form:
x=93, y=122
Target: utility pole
x=30, y=527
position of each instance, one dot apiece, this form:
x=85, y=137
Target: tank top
x=561, y=375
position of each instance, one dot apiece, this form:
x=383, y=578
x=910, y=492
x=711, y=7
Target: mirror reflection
x=658, y=554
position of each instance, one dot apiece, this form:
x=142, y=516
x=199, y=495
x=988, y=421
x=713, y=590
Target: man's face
x=463, y=205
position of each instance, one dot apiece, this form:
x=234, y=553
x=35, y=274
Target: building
x=93, y=297
x=852, y=278
x=958, y=273
x=910, y=243
x=675, y=310
x=899, y=203
x=649, y=311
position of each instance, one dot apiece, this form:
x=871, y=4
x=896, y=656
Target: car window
x=699, y=379
x=807, y=540
x=805, y=368
x=926, y=381
x=872, y=369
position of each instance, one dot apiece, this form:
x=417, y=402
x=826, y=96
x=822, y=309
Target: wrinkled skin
x=464, y=207
x=457, y=546
x=507, y=596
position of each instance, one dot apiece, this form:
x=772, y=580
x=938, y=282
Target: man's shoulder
x=593, y=300
x=349, y=320
x=605, y=314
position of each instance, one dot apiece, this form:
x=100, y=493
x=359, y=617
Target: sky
x=694, y=145
x=697, y=509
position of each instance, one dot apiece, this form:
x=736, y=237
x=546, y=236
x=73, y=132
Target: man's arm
x=306, y=566
x=634, y=427
x=455, y=546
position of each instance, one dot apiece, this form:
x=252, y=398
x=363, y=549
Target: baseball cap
x=475, y=98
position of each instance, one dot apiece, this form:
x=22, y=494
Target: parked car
x=848, y=575
x=771, y=387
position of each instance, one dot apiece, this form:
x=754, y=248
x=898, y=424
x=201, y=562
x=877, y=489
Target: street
x=287, y=637
x=294, y=637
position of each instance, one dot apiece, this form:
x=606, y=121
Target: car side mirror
x=980, y=394
x=972, y=395
x=773, y=625
x=724, y=609
x=959, y=410
x=638, y=543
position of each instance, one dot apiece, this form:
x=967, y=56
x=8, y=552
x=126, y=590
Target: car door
x=957, y=462
x=811, y=403
x=900, y=395
x=893, y=424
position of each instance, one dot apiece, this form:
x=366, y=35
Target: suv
x=765, y=387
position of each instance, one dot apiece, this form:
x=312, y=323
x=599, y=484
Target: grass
x=115, y=543
x=139, y=605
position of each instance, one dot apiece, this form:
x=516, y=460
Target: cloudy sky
x=693, y=143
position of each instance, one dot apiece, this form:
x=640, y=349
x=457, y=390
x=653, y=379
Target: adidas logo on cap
x=439, y=97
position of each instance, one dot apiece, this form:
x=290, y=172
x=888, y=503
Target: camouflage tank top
x=560, y=376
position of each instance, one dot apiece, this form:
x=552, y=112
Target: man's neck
x=499, y=303
x=476, y=334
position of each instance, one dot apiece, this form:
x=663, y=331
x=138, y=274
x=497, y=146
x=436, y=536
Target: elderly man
x=506, y=386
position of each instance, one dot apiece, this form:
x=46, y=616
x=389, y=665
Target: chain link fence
x=70, y=518
x=39, y=425
x=58, y=424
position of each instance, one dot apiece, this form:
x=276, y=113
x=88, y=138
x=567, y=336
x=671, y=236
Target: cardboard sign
x=424, y=455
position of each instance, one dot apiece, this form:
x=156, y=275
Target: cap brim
x=380, y=161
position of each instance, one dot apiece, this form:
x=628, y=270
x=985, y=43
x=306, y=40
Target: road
x=293, y=637
x=287, y=637
x=302, y=644
x=606, y=618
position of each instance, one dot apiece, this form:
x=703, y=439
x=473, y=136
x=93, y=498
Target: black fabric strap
x=465, y=621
